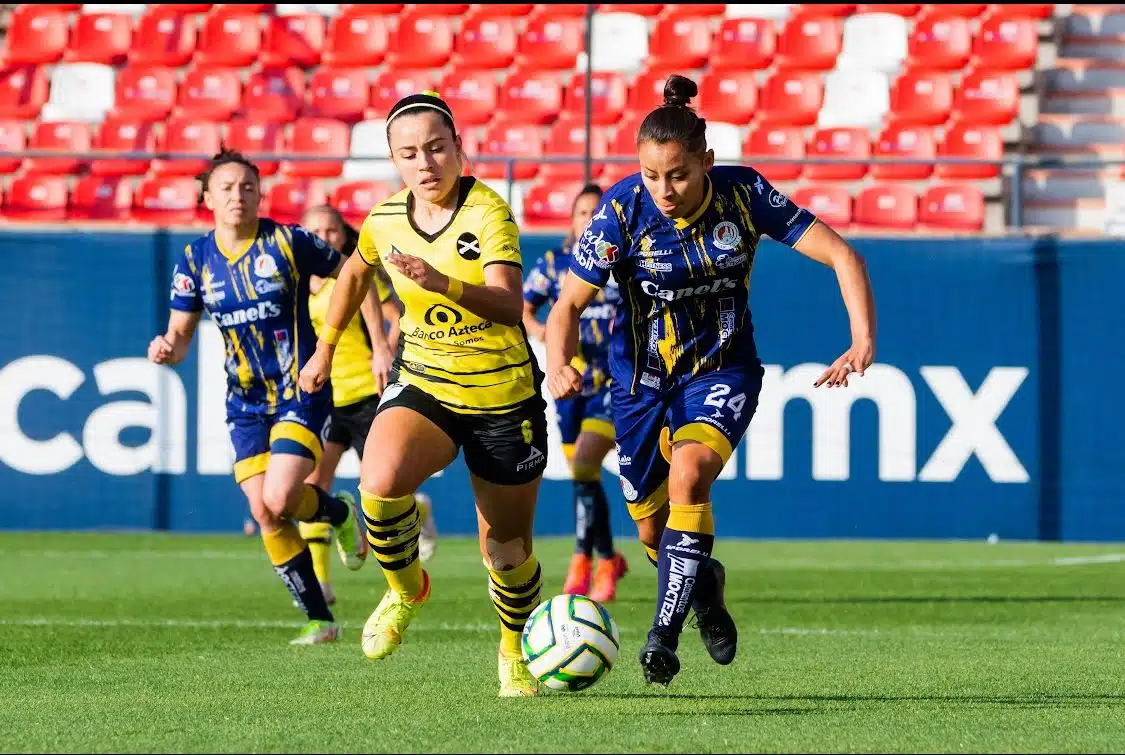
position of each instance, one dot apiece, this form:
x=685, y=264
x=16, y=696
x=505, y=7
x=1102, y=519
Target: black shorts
x=351, y=423
x=504, y=449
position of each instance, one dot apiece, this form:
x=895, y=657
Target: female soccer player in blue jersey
x=680, y=238
x=585, y=422
x=251, y=275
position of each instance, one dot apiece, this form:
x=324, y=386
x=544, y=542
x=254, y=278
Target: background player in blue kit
x=680, y=239
x=585, y=421
x=252, y=276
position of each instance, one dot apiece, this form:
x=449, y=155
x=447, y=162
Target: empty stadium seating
x=782, y=82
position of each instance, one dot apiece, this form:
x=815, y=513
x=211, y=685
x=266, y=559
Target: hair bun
x=679, y=90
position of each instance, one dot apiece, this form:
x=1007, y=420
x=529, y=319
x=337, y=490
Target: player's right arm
x=536, y=292
x=594, y=256
x=186, y=310
x=352, y=284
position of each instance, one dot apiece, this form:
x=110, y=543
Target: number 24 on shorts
x=717, y=398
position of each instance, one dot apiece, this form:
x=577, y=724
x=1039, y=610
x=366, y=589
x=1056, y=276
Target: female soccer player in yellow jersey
x=251, y=275
x=359, y=374
x=464, y=378
x=680, y=238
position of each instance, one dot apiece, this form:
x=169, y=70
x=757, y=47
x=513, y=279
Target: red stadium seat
x=792, y=97
x=728, y=96
x=809, y=43
x=186, y=135
x=987, y=97
x=37, y=198
x=295, y=40
x=954, y=10
x=166, y=200
x=609, y=95
x=226, y=9
x=230, y=38
x=1038, y=11
x=320, y=137
x=36, y=35
x=531, y=96
x=391, y=86
x=358, y=39
x=274, y=95
x=145, y=93
x=13, y=138
x=908, y=142
x=445, y=9
x=921, y=97
x=516, y=10
x=906, y=10
x=180, y=8
x=568, y=10
x=23, y=91
x=487, y=40
x=940, y=44
x=213, y=93
x=122, y=135
x=359, y=9
x=886, y=207
x=624, y=141
x=550, y=202
x=286, y=200
x=641, y=9
x=838, y=143
x=700, y=9
x=776, y=141
x=511, y=139
x=647, y=91
x=424, y=39
x=831, y=204
x=1006, y=44
x=551, y=41
x=65, y=137
x=954, y=207
x=567, y=138
x=968, y=141
x=744, y=44
x=826, y=10
x=680, y=41
x=354, y=199
x=100, y=198
x=340, y=93
x=101, y=38
x=253, y=138
x=473, y=96
x=163, y=39
x=613, y=173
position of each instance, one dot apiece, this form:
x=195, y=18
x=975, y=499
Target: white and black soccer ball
x=570, y=642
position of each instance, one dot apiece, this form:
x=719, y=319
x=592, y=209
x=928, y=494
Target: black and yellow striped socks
x=393, y=527
x=293, y=563
x=685, y=547
x=515, y=594
x=318, y=506
x=319, y=537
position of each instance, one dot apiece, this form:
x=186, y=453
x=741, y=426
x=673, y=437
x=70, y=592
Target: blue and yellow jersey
x=542, y=287
x=259, y=298
x=684, y=283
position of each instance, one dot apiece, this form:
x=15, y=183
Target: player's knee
x=265, y=518
x=690, y=484
x=281, y=496
x=505, y=555
x=650, y=529
x=383, y=481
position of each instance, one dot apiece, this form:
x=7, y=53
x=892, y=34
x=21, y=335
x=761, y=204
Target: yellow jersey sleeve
x=500, y=237
x=382, y=283
x=366, y=247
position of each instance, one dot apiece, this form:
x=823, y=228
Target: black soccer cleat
x=658, y=660
x=715, y=624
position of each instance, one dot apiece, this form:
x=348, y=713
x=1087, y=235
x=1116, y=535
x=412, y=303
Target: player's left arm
x=371, y=309
x=778, y=217
x=500, y=299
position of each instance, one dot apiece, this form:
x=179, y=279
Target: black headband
x=424, y=100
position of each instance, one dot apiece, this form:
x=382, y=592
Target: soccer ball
x=570, y=642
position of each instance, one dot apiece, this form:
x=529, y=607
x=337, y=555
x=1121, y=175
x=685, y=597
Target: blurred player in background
x=359, y=374
x=680, y=239
x=252, y=276
x=585, y=422
x=464, y=378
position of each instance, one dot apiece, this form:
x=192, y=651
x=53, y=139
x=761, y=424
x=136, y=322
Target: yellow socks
x=515, y=594
x=319, y=537
x=393, y=527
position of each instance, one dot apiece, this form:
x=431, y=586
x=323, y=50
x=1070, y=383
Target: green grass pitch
x=142, y=642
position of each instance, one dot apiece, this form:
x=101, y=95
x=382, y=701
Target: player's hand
x=316, y=371
x=564, y=382
x=421, y=272
x=162, y=351
x=855, y=360
x=381, y=362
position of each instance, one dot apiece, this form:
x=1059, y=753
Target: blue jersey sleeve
x=601, y=247
x=185, y=283
x=313, y=254
x=774, y=213
x=537, y=287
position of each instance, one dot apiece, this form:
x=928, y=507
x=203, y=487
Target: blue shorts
x=714, y=409
x=298, y=428
x=585, y=413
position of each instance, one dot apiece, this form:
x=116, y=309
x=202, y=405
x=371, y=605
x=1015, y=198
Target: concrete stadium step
x=1068, y=184
x=1085, y=103
x=1066, y=214
x=1076, y=130
x=1085, y=75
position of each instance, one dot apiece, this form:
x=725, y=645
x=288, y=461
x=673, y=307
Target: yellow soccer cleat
x=350, y=541
x=515, y=679
x=317, y=633
x=386, y=627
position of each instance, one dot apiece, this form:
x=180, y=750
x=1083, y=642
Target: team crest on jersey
x=777, y=199
x=182, y=285
x=265, y=266
x=468, y=247
x=726, y=236
x=607, y=252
